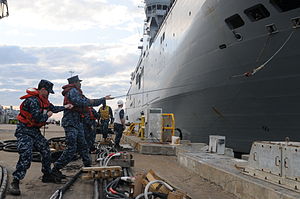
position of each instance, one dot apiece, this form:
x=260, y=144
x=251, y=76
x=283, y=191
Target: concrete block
x=222, y=171
x=185, y=142
x=229, y=152
x=245, y=157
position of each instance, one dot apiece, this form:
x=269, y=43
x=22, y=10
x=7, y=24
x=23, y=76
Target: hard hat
x=120, y=102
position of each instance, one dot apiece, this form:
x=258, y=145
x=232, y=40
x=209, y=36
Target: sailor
x=34, y=112
x=89, y=124
x=73, y=124
x=106, y=117
x=119, y=123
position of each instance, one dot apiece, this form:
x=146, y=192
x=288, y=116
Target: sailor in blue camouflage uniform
x=34, y=112
x=89, y=125
x=73, y=124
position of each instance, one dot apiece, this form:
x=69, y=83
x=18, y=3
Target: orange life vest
x=65, y=91
x=92, y=116
x=25, y=116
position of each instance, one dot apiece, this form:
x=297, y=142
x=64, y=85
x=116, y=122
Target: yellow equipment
x=167, y=129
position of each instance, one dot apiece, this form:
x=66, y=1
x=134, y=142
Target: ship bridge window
x=159, y=7
x=149, y=8
x=257, y=12
x=285, y=5
x=234, y=22
x=165, y=7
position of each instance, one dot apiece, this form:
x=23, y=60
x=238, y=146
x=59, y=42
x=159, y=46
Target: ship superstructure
x=226, y=67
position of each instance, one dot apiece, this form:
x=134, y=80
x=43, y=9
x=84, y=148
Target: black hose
x=180, y=133
x=59, y=193
x=1, y=175
x=9, y=141
x=3, y=182
x=1, y=145
x=104, y=184
x=36, y=157
x=113, y=184
x=69, y=184
x=11, y=147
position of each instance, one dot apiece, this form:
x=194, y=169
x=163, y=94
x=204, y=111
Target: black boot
x=118, y=147
x=50, y=178
x=58, y=174
x=14, y=188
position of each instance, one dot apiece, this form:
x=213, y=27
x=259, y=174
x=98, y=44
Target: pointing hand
x=108, y=97
x=69, y=106
x=49, y=113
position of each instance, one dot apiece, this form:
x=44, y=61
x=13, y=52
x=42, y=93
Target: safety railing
x=168, y=126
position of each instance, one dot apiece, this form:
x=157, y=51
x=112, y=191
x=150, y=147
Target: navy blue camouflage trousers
x=75, y=141
x=90, y=136
x=104, y=128
x=118, y=129
x=27, y=140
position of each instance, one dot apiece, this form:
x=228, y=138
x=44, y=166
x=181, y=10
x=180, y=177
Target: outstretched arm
x=56, y=109
x=80, y=100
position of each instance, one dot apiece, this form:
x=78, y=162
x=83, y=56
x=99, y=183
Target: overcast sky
x=45, y=39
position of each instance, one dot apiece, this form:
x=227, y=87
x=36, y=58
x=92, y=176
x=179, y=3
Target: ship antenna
x=71, y=73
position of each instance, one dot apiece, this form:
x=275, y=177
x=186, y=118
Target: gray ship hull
x=197, y=78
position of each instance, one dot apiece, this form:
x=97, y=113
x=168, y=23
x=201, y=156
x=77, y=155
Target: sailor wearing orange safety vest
x=72, y=122
x=34, y=112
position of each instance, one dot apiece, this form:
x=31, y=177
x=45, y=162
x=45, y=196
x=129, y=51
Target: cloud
x=8, y=90
x=15, y=55
x=69, y=15
x=104, y=68
x=104, y=62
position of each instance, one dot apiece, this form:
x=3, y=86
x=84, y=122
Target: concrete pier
x=222, y=170
x=226, y=172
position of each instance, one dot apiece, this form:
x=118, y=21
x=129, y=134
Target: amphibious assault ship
x=226, y=67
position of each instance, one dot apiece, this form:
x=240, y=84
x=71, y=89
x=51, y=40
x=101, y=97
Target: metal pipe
x=130, y=173
x=125, y=172
x=101, y=190
x=96, y=189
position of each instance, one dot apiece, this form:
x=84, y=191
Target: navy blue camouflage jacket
x=87, y=118
x=32, y=105
x=73, y=118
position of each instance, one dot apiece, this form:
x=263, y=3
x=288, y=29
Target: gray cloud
x=101, y=73
x=15, y=55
